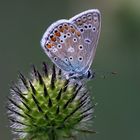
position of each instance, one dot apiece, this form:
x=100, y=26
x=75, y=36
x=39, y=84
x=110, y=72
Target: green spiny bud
x=48, y=107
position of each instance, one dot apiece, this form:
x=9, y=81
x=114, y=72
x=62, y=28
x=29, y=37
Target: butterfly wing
x=71, y=44
x=89, y=24
x=54, y=45
x=61, y=43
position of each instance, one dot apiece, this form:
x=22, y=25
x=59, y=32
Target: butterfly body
x=71, y=44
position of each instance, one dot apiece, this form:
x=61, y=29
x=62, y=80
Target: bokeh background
x=22, y=23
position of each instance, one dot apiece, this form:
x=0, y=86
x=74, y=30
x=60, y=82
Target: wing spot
x=71, y=26
x=94, y=29
x=66, y=59
x=59, y=46
x=53, y=38
x=80, y=58
x=78, y=33
x=54, y=50
x=65, y=36
x=55, y=58
x=74, y=39
x=48, y=45
x=61, y=29
x=72, y=29
x=84, y=18
x=79, y=21
x=89, y=17
x=87, y=40
x=80, y=47
x=95, y=18
x=81, y=30
x=85, y=26
x=71, y=58
x=62, y=41
x=68, y=34
x=70, y=49
x=66, y=26
x=57, y=33
x=89, y=26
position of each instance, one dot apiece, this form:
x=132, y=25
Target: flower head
x=48, y=107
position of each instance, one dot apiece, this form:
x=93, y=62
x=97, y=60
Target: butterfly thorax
x=80, y=76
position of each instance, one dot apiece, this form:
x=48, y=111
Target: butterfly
x=71, y=44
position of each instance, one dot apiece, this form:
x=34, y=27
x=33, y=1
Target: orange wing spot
x=53, y=44
x=79, y=22
x=78, y=33
x=72, y=30
x=48, y=45
x=53, y=39
x=66, y=26
x=61, y=29
x=58, y=34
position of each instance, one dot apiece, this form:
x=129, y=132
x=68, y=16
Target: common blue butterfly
x=71, y=44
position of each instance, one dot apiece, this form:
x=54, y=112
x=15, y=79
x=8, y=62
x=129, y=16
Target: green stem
x=53, y=135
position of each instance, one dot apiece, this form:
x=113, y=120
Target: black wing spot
x=94, y=29
x=87, y=40
x=80, y=58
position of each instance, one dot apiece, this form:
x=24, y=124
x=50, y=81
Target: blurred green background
x=22, y=23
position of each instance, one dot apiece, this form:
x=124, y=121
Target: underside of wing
x=89, y=24
x=71, y=44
